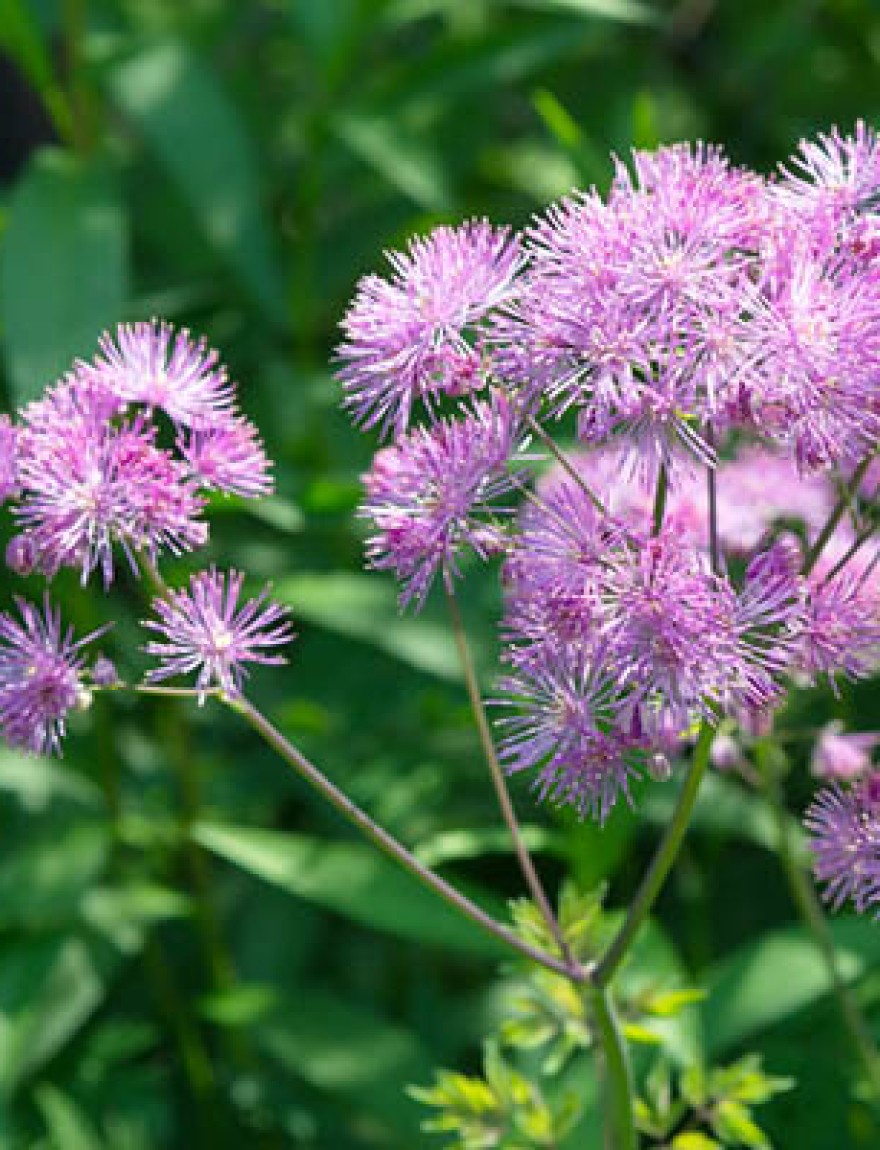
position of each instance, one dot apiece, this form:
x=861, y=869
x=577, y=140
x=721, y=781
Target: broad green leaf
x=195, y=132
x=778, y=975
x=365, y=607
x=67, y=1125
x=350, y=1054
x=352, y=879
x=64, y=276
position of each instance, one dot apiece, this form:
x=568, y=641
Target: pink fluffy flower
x=429, y=497
x=149, y=364
x=844, y=830
x=41, y=677
x=204, y=628
x=417, y=336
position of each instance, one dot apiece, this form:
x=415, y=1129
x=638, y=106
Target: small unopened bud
x=659, y=767
x=725, y=754
x=21, y=554
x=104, y=672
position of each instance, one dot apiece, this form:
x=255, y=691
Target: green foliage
x=709, y=1108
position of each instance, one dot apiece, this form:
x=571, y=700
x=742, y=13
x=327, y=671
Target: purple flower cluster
x=120, y=455
x=696, y=320
x=122, y=452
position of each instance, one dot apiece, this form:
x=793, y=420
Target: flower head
x=429, y=495
x=89, y=481
x=844, y=830
x=203, y=628
x=416, y=336
x=149, y=364
x=567, y=720
x=41, y=677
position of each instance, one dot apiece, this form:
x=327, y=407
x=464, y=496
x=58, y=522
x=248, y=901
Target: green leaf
x=195, y=131
x=625, y=11
x=349, y=1053
x=22, y=39
x=364, y=607
x=241, y=1005
x=454, y=846
x=404, y=161
x=49, y=987
x=779, y=975
x=64, y=275
x=694, y=1140
x=43, y=881
x=351, y=879
x=67, y=1125
x=732, y=1122
x=37, y=782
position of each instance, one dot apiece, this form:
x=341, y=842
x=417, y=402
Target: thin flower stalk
x=390, y=845
x=524, y=858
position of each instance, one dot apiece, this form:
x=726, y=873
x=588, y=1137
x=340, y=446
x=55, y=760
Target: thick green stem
x=617, y=1077
x=843, y=504
x=524, y=859
x=390, y=846
x=661, y=864
x=804, y=896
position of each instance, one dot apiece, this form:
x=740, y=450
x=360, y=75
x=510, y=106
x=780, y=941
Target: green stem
x=805, y=899
x=843, y=504
x=617, y=1076
x=661, y=864
x=565, y=463
x=479, y=712
x=390, y=845
x=660, y=496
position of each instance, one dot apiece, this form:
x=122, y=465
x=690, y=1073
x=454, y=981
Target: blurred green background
x=193, y=950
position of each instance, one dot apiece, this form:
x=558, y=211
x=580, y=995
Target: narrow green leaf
x=196, y=134
x=624, y=11
x=352, y=879
x=67, y=1125
x=21, y=38
x=64, y=275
